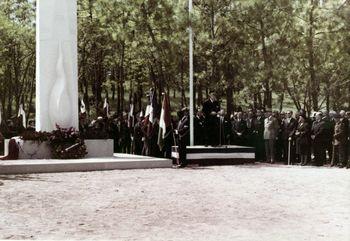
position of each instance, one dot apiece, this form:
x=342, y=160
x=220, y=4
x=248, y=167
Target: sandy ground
x=253, y=202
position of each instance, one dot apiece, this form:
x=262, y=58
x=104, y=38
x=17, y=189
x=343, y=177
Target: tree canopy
x=254, y=53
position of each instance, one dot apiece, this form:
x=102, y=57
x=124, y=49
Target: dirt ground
x=250, y=202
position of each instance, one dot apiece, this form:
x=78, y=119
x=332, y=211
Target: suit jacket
x=260, y=126
x=183, y=127
x=288, y=128
x=271, y=127
x=319, y=131
x=340, y=135
x=239, y=126
x=303, y=133
x=209, y=106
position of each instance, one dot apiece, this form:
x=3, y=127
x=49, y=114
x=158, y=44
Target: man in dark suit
x=225, y=128
x=289, y=125
x=239, y=130
x=259, y=136
x=211, y=107
x=184, y=137
x=199, y=128
x=329, y=124
x=319, y=140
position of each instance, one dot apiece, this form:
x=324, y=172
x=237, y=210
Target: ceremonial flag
x=106, y=107
x=151, y=106
x=82, y=106
x=141, y=114
x=23, y=114
x=165, y=121
x=131, y=116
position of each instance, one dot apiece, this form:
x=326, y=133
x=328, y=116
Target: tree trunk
x=268, y=66
x=311, y=59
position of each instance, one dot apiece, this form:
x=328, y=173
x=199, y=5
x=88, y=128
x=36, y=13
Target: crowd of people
x=284, y=137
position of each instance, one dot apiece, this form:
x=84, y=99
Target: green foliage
x=254, y=53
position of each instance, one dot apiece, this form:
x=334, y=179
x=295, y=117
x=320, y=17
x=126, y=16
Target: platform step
x=118, y=161
x=218, y=155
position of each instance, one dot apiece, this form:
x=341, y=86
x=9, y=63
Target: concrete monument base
x=117, y=162
x=42, y=150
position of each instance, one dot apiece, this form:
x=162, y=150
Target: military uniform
x=339, y=143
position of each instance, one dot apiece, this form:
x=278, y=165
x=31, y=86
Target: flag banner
x=164, y=121
x=131, y=116
x=82, y=106
x=106, y=107
x=23, y=114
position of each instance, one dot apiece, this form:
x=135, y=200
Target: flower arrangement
x=67, y=144
x=38, y=136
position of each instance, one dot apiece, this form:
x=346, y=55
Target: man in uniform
x=339, y=142
x=211, y=107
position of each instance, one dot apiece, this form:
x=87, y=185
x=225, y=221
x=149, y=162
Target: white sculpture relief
x=57, y=78
x=60, y=109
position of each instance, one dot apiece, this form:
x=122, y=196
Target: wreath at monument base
x=67, y=144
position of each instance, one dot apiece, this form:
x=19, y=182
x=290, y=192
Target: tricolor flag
x=164, y=121
x=23, y=114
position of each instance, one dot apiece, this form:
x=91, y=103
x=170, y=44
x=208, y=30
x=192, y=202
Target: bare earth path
x=255, y=202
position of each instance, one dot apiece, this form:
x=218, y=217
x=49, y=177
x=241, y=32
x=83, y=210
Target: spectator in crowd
x=303, y=139
x=270, y=134
x=319, y=136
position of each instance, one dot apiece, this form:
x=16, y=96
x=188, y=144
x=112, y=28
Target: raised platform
x=219, y=155
x=118, y=161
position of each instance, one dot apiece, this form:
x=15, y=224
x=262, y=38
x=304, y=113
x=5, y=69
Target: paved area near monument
x=249, y=202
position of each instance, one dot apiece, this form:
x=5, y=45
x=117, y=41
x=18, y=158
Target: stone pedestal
x=42, y=150
x=56, y=65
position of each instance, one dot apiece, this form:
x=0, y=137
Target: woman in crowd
x=303, y=139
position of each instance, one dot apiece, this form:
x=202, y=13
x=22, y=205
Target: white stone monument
x=56, y=65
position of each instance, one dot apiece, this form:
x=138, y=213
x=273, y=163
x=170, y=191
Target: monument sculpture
x=56, y=65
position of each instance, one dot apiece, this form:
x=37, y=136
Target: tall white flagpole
x=190, y=8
